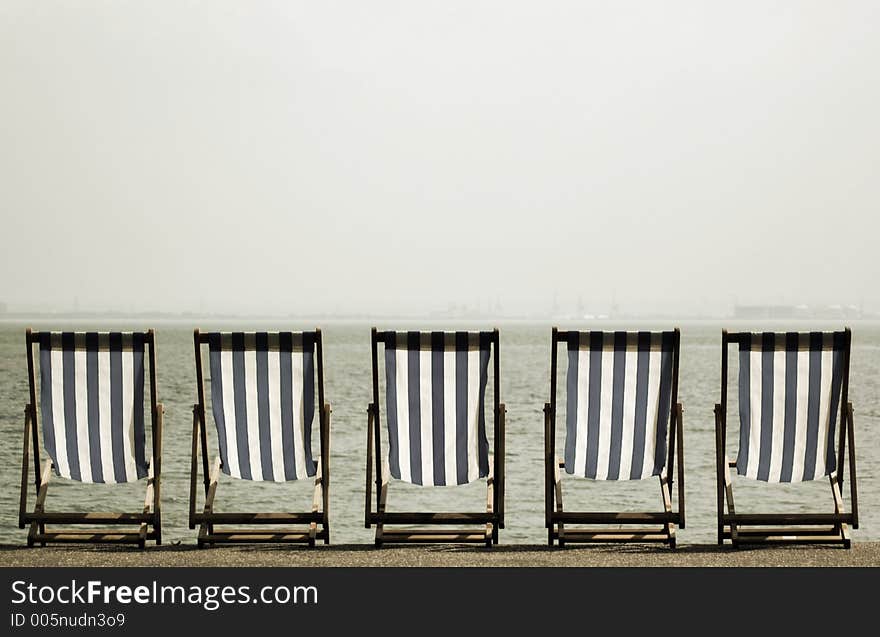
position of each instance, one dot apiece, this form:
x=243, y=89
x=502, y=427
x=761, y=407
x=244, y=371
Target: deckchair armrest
x=45, y=477
x=151, y=490
x=212, y=487
x=560, y=464
x=720, y=429
x=721, y=445
x=490, y=488
x=720, y=442
x=318, y=492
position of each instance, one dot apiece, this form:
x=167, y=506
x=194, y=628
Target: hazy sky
x=399, y=156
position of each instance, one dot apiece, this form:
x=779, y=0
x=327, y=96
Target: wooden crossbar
x=93, y=536
x=614, y=535
x=432, y=518
x=427, y=536
x=771, y=519
x=614, y=517
x=234, y=536
x=94, y=517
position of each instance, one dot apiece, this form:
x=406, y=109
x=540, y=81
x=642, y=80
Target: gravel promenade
x=862, y=554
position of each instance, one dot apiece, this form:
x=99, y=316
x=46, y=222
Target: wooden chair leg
x=731, y=507
x=206, y=529
x=667, y=506
x=147, y=510
x=317, y=499
x=491, y=529
x=842, y=528
x=40, y=505
x=383, y=496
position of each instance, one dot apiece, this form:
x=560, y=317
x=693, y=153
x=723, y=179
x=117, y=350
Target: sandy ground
x=862, y=554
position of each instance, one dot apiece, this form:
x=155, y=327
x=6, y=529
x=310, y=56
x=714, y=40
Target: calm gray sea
x=525, y=368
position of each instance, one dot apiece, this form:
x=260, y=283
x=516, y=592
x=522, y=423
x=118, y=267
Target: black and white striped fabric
x=619, y=389
x=435, y=384
x=92, y=405
x=789, y=394
x=263, y=400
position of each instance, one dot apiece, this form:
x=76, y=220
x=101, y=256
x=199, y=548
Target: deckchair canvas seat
x=90, y=413
x=791, y=389
x=621, y=397
x=263, y=404
x=435, y=392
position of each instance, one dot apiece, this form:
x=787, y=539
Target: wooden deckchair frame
x=489, y=522
x=800, y=528
x=316, y=521
x=643, y=525
x=148, y=520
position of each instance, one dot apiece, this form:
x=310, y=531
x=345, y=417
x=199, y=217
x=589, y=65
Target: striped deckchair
x=90, y=404
x=621, y=395
x=792, y=386
x=263, y=407
x=435, y=395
